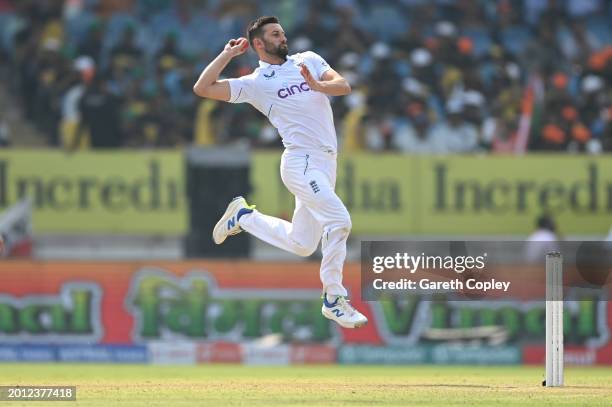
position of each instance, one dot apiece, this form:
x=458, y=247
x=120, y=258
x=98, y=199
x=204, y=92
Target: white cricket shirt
x=303, y=117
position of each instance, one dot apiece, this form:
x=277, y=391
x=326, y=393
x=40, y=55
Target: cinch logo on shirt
x=292, y=90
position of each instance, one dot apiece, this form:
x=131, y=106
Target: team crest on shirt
x=269, y=76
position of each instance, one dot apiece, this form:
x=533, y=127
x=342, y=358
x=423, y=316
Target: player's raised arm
x=208, y=84
x=331, y=83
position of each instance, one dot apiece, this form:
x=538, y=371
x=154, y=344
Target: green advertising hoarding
x=143, y=192
x=457, y=195
x=97, y=192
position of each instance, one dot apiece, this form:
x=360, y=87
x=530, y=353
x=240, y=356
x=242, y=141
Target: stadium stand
x=428, y=76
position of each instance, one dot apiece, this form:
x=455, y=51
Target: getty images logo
x=292, y=90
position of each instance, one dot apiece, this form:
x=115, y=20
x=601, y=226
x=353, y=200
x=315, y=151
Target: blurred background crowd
x=444, y=76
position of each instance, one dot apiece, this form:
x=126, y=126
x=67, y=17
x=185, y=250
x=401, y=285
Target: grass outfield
x=222, y=385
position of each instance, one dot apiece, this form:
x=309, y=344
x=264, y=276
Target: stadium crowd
x=428, y=76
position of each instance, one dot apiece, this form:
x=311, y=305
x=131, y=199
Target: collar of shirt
x=265, y=65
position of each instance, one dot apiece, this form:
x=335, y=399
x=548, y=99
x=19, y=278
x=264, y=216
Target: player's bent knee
x=346, y=224
x=304, y=251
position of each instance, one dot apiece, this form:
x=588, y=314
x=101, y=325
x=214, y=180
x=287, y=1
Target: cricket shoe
x=343, y=313
x=229, y=224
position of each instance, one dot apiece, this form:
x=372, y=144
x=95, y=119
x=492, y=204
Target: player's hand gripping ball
x=237, y=46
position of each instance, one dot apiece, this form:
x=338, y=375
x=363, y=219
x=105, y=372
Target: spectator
x=49, y=72
x=99, y=110
x=93, y=46
x=578, y=43
x=378, y=132
x=418, y=135
x=543, y=54
x=500, y=134
x=459, y=136
x=382, y=97
x=543, y=240
x=168, y=55
x=409, y=41
x=126, y=55
x=423, y=70
x=71, y=117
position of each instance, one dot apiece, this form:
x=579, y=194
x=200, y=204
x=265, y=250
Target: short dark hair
x=255, y=28
x=546, y=222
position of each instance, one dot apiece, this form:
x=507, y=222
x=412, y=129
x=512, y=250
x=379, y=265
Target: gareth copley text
x=453, y=285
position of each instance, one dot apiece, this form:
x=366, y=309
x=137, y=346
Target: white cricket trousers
x=319, y=215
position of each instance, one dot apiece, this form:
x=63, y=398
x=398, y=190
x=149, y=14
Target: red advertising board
x=135, y=302
x=216, y=305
